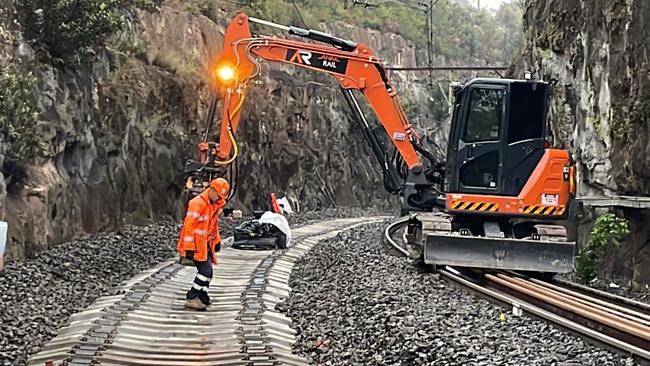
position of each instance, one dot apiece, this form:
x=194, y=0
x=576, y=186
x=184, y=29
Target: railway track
x=608, y=320
x=146, y=322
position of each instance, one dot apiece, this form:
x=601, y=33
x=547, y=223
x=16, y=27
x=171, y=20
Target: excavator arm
x=353, y=65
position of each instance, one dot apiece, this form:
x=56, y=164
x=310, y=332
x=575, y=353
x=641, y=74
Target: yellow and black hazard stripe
x=544, y=210
x=475, y=206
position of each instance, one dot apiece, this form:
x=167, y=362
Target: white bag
x=3, y=242
x=278, y=221
x=3, y=237
x=285, y=206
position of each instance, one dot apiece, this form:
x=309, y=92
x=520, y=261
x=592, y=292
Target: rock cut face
x=598, y=53
x=120, y=129
x=600, y=109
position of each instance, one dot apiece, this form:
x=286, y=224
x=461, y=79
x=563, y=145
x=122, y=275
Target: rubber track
x=147, y=323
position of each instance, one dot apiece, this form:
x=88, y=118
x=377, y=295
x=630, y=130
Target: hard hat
x=221, y=186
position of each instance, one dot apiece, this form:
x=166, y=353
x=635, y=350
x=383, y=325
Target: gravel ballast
x=355, y=303
x=39, y=295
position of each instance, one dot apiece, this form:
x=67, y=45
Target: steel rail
x=607, y=295
x=546, y=315
x=568, y=304
x=388, y=234
x=601, y=304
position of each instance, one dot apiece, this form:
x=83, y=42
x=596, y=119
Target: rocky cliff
x=598, y=53
x=118, y=131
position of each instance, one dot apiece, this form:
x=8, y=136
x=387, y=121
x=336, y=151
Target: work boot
x=195, y=304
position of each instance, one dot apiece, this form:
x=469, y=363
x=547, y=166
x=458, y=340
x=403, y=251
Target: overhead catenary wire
x=427, y=9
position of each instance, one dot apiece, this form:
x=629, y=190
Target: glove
x=217, y=248
x=189, y=254
x=228, y=211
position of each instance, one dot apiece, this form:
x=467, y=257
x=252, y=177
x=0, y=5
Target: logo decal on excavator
x=318, y=60
x=300, y=57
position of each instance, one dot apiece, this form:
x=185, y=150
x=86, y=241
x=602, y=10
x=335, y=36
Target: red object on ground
x=274, y=205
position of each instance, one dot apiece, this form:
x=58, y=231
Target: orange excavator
x=498, y=201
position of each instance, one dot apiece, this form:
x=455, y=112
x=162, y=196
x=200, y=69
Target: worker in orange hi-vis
x=200, y=239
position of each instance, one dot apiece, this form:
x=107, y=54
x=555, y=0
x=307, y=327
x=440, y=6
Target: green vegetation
x=609, y=229
x=67, y=28
x=133, y=47
x=622, y=128
x=460, y=31
x=174, y=61
x=19, y=117
x=150, y=5
x=546, y=53
x=596, y=122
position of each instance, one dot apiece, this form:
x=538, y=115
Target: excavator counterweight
x=498, y=200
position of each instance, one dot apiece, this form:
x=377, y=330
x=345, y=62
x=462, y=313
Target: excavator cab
x=497, y=136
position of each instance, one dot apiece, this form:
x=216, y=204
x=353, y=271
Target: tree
x=509, y=16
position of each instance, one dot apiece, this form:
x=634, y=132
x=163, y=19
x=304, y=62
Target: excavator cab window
x=485, y=114
x=479, y=147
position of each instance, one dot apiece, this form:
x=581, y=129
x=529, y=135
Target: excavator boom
x=354, y=66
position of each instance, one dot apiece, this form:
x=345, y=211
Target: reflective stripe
x=200, y=232
x=200, y=288
x=201, y=277
x=203, y=218
x=188, y=239
x=193, y=214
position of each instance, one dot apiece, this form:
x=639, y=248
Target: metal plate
x=499, y=253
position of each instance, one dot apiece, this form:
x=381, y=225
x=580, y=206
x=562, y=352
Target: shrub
x=608, y=230
x=18, y=114
x=65, y=28
x=70, y=28
x=132, y=46
x=150, y=5
x=209, y=8
x=15, y=174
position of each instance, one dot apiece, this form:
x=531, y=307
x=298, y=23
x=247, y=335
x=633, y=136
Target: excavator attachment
x=499, y=253
x=544, y=248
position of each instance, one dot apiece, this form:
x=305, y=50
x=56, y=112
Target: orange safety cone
x=275, y=206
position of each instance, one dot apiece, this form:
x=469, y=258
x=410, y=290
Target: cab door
x=479, y=147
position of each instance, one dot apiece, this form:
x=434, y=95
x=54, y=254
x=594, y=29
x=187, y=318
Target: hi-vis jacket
x=200, y=227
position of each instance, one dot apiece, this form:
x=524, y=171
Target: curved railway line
x=608, y=320
x=147, y=324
